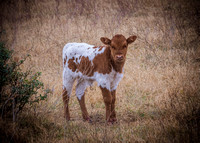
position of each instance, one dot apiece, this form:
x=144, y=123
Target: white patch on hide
x=78, y=50
x=109, y=81
x=68, y=80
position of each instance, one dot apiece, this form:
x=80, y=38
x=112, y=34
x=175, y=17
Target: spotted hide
x=87, y=63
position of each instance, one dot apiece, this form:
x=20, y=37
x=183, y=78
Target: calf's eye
x=113, y=47
x=124, y=47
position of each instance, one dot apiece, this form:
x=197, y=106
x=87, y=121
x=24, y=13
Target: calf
x=87, y=64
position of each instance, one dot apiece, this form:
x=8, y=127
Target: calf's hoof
x=88, y=119
x=112, y=120
x=67, y=118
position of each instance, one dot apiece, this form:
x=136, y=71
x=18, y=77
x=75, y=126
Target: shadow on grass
x=30, y=128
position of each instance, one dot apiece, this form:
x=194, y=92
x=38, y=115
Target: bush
x=17, y=88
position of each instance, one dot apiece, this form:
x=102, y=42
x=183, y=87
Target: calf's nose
x=119, y=57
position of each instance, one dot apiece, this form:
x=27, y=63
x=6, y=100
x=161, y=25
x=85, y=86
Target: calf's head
x=118, y=46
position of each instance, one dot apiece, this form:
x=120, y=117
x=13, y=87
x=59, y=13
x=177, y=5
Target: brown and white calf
x=87, y=63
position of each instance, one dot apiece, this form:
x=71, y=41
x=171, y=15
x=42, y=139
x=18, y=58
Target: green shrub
x=17, y=88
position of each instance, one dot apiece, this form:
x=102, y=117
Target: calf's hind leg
x=80, y=93
x=67, y=88
x=66, y=104
x=83, y=108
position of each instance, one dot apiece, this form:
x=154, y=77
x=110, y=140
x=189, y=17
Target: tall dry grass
x=158, y=98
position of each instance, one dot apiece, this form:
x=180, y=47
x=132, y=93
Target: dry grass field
x=158, y=99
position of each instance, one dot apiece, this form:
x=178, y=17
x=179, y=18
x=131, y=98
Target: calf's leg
x=80, y=93
x=113, y=113
x=66, y=104
x=83, y=108
x=107, y=97
x=67, y=88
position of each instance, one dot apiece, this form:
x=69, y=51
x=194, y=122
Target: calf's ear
x=131, y=39
x=105, y=40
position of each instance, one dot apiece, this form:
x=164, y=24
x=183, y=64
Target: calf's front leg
x=113, y=113
x=107, y=97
